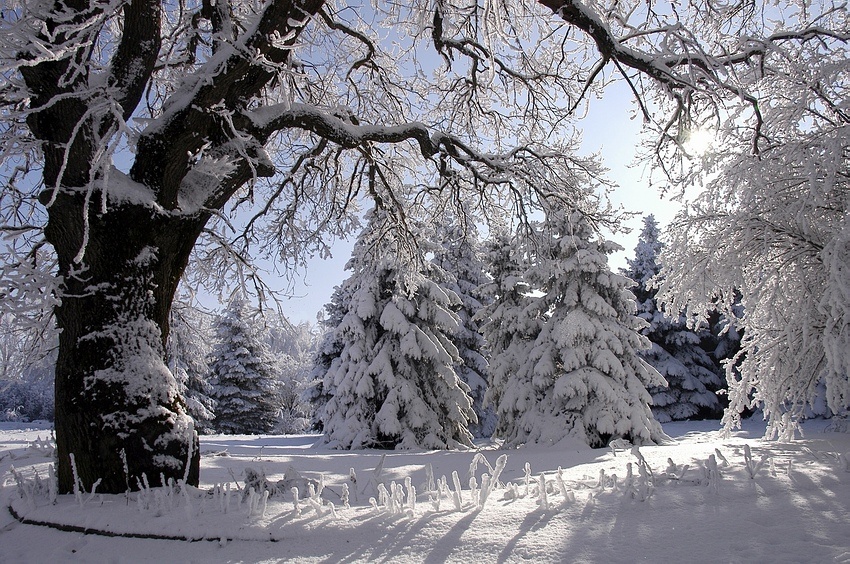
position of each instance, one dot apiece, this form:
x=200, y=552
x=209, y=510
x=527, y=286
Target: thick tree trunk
x=119, y=413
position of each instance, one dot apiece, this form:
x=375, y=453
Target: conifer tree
x=188, y=353
x=459, y=256
x=692, y=378
x=329, y=348
x=243, y=374
x=582, y=376
x=393, y=384
x=507, y=327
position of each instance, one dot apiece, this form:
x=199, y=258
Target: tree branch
x=137, y=53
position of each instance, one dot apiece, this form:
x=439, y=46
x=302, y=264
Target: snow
x=795, y=509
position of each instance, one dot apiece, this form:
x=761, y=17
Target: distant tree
x=329, y=348
x=188, y=358
x=507, y=325
x=293, y=347
x=393, y=384
x=27, y=356
x=28, y=396
x=692, y=378
x=582, y=375
x=458, y=254
x=243, y=373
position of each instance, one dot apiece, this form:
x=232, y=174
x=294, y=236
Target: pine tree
x=243, y=374
x=507, y=327
x=393, y=384
x=458, y=255
x=582, y=376
x=692, y=377
x=188, y=353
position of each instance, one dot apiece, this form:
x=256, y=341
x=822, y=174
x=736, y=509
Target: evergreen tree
x=582, y=376
x=692, y=377
x=507, y=327
x=188, y=353
x=293, y=347
x=243, y=374
x=329, y=348
x=393, y=384
x=458, y=255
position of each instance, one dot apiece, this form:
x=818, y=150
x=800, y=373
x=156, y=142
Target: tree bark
x=118, y=408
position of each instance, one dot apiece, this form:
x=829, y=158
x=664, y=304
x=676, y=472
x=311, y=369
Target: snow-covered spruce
x=507, y=327
x=329, y=348
x=188, y=350
x=243, y=374
x=692, y=377
x=582, y=376
x=393, y=384
x=459, y=256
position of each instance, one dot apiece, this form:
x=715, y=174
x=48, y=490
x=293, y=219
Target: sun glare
x=699, y=141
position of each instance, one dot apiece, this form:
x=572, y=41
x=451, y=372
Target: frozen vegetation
x=698, y=498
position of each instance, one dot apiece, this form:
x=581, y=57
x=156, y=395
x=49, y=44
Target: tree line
x=492, y=308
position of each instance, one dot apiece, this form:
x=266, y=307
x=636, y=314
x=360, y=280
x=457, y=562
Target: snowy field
x=700, y=498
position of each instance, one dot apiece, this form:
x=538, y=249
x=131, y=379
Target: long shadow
x=532, y=522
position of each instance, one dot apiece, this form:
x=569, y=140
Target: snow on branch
x=685, y=64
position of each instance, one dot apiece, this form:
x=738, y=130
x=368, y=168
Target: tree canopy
x=133, y=132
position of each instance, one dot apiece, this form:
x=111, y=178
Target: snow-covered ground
x=681, y=508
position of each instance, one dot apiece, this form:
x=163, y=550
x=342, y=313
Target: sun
x=699, y=141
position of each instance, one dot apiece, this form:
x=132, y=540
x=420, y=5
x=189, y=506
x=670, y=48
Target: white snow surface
x=795, y=509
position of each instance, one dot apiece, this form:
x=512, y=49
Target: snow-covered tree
x=393, y=384
x=582, y=376
x=243, y=373
x=27, y=356
x=293, y=347
x=188, y=352
x=691, y=376
x=458, y=255
x=771, y=227
x=506, y=323
x=329, y=348
x=131, y=129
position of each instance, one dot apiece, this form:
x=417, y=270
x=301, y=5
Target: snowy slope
x=795, y=509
